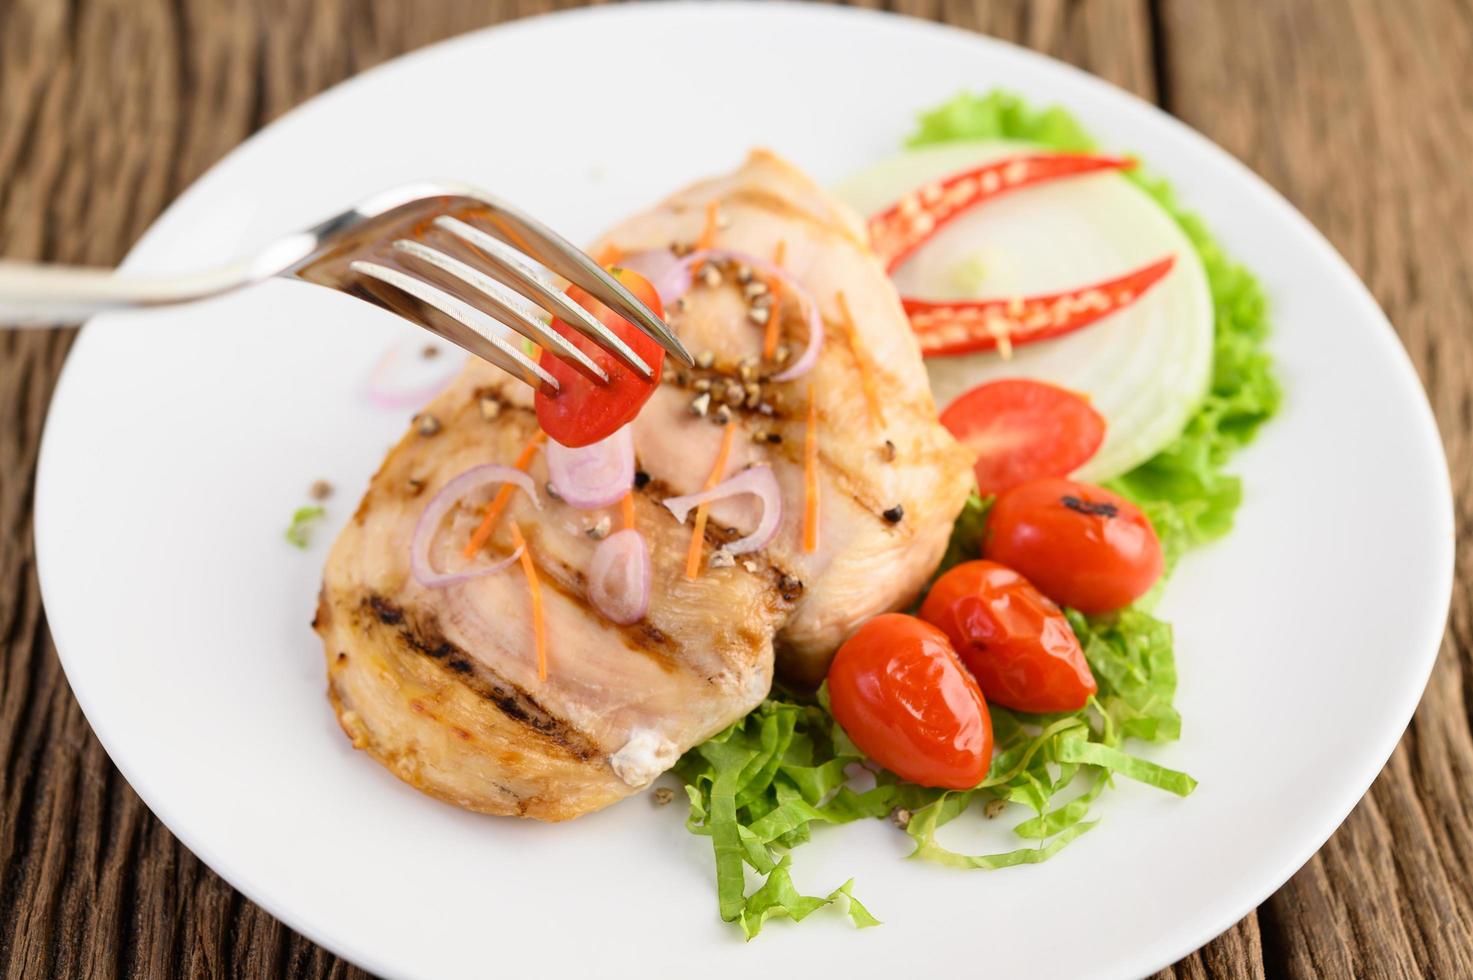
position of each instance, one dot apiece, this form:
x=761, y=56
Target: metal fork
x=445, y=256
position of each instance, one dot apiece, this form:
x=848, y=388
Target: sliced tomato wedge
x=582, y=411
x=1024, y=430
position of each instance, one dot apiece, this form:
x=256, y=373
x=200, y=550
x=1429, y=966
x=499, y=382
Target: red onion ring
x=596, y=475
x=757, y=480
x=663, y=269
x=619, y=577
x=440, y=505
x=385, y=395
x=675, y=281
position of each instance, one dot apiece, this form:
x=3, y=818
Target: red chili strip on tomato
x=907, y=224
x=900, y=693
x=950, y=327
x=1022, y=430
x=582, y=411
x=1081, y=545
x=1016, y=642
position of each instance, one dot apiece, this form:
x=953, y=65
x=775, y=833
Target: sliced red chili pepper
x=967, y=326
x=903, y=227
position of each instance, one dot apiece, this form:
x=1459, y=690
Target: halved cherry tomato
x=582, y=411
x=1022, y=430
x=1015, y=641
x=900, y=693
x=1081, y=545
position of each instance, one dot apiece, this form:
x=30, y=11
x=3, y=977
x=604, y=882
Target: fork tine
x=559, y=255
x=514, y=270
x=484, y=345
x=504, y=303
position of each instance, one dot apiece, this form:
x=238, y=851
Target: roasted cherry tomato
x=1083, y=546
x=1022, y=430
x=1015, y=641
x=900, y=693
x=582, y=411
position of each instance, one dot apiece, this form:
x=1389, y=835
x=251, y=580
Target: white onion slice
x=596, y=475
x=619, y=577
x=1145, y=368
x=440, y=504
x=757, y=480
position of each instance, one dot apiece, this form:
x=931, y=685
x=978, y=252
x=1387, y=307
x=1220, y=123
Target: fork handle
x=52, y=295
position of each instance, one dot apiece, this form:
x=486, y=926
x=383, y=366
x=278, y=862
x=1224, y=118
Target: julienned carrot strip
x=534, y=587
x=503, y=496
x=708, y=230
x=774, y=289
x=810, y=478
x=698, y=534
x=866, y=369
x=626, y=508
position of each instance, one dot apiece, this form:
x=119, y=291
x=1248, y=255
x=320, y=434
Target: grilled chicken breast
x=441, y=685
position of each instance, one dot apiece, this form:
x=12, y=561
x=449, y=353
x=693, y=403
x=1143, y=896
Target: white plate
x=179, y=443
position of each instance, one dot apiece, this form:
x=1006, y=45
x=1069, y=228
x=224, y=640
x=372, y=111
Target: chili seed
x=721, y=416
x=702, y=384
x=320, y=490
x=701, y=403
x=721, y=558
x=994, y=808
x=490, y=408
x=705, y=359
x=759, y=315
x=552, y=491
x=734, y=393
x=427, y=425
x=662, y=795
x=900, y=817
x=600, y=530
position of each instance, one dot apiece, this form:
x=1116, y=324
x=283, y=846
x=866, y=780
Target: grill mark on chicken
x=510, y=700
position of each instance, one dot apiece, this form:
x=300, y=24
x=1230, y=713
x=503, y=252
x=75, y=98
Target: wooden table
x=1360, y=112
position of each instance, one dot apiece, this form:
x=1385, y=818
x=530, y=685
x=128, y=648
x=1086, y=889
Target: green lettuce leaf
x=760, y=787
x=299, y=531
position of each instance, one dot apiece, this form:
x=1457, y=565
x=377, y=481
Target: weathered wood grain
x=1360, y=112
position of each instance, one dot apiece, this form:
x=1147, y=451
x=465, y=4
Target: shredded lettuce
x=299, y=531
x=759, y=788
